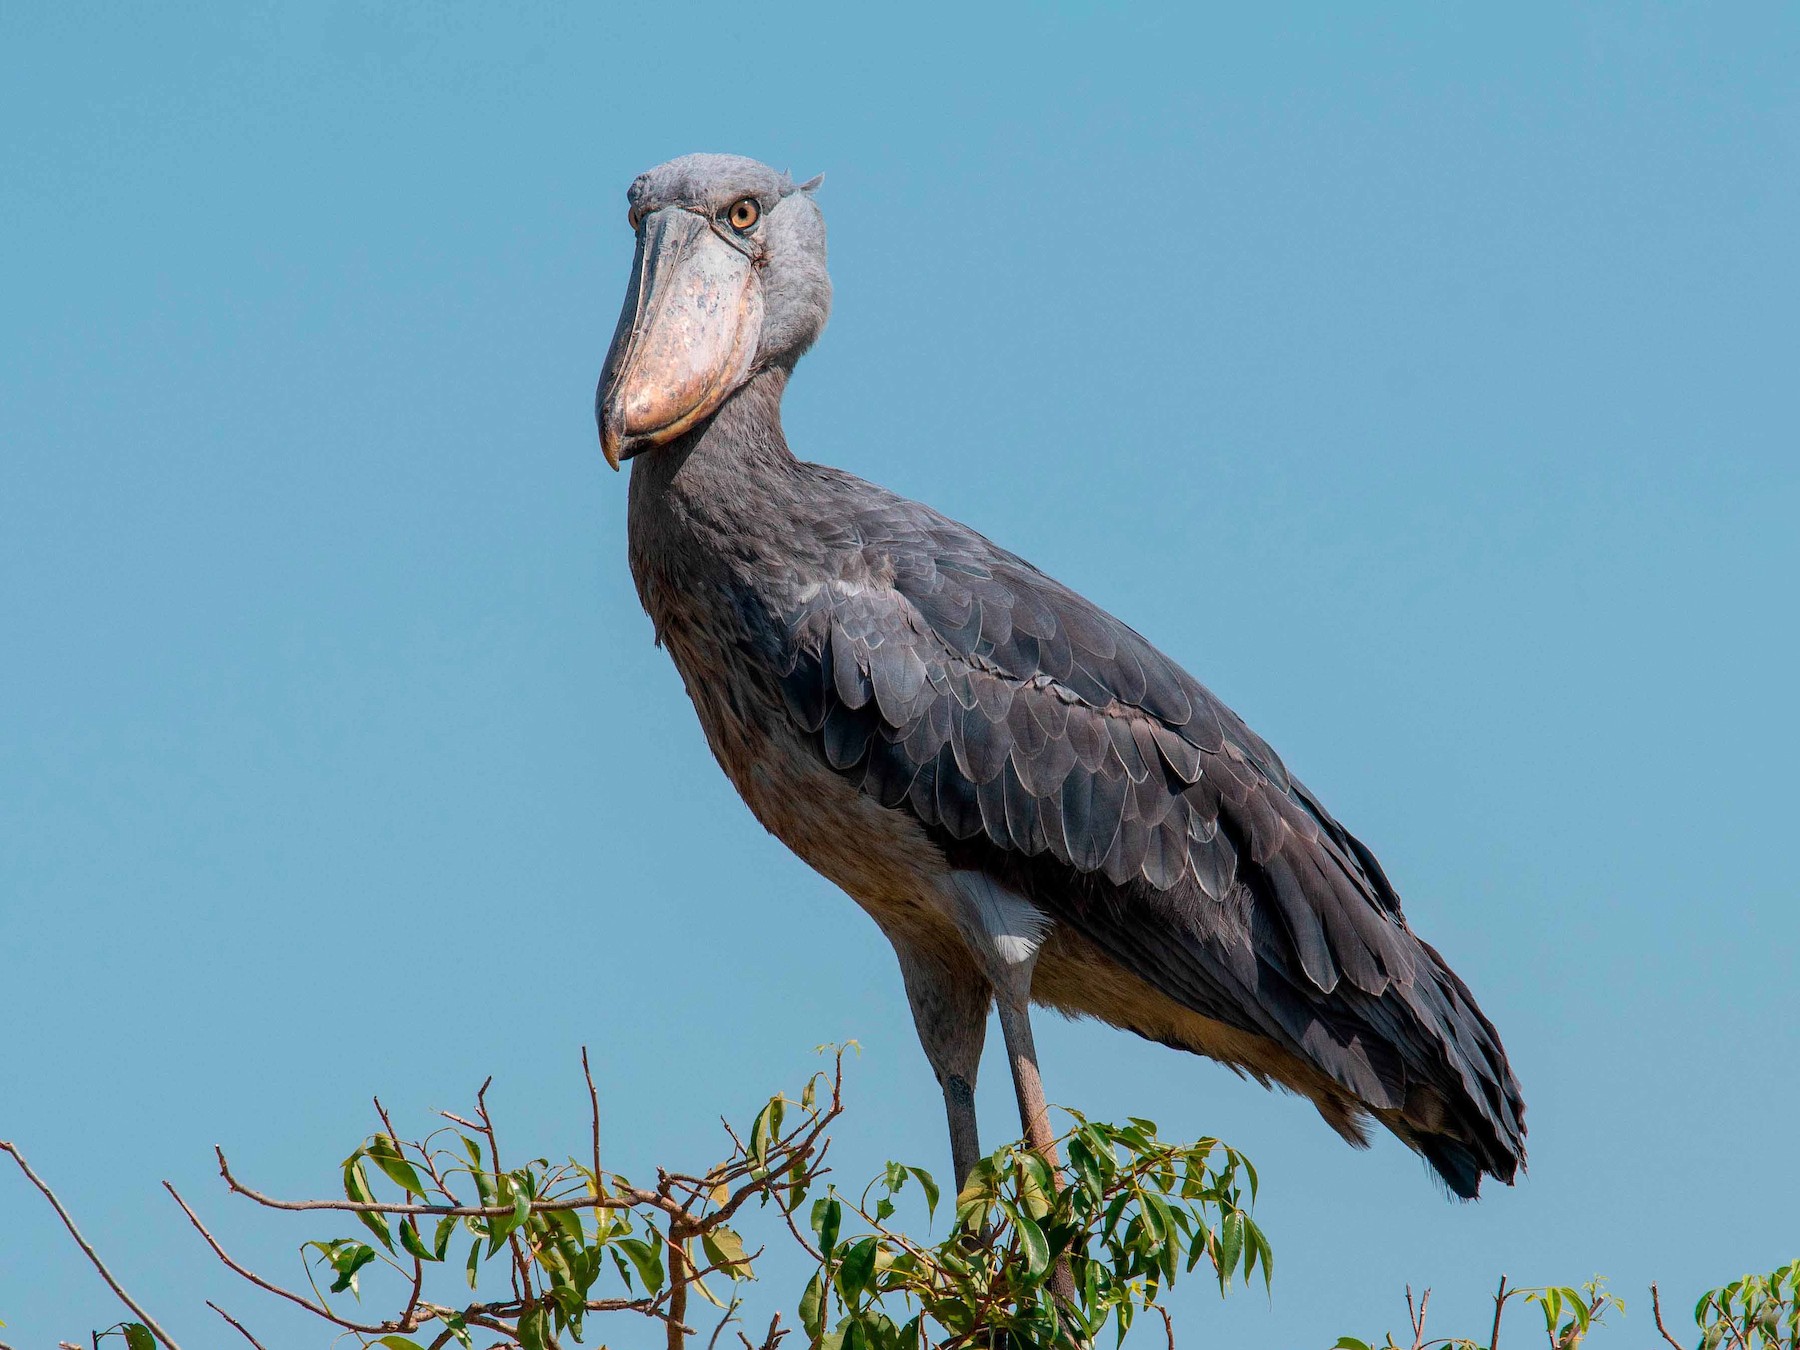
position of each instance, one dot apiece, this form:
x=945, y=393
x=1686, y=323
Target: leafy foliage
x=1757, y=1312
x=1037, y=1251
x=1033, y=1255
x=1568, y=1315
x=1116, y=1225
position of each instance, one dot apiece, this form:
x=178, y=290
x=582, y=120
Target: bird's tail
x=1468, y=1119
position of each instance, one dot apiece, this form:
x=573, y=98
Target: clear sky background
x=1424, y=380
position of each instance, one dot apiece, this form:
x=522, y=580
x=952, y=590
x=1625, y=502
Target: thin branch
x=521, y=1274
x=628, y=1199
x=427, y=1155
x=771, y=1339
x=386, y=1124
x=241, y=1328
x=409, y=1318
x=1419, y=1326
x=80, y=1241
x=729, y=1317
x=594, y=1108
x=1656, y=1308
x=1168, y=1324
x=1499, y=1307
x=794, y=1228
x=257, y=1280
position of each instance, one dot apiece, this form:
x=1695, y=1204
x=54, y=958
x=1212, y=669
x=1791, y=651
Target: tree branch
x=594, y=1109
x=1656, y=1308
x=317, y=1309
x=626, y=1201
x=241, y=1328
x=74, y=1232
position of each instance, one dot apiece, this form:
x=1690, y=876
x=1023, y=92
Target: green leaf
x=356, y=1187
x=398, y=1343
x=474, y=1263
x=765, y=1130
x=138, y=1337
x=856, y=1269
x=345, y=1258
x=930, y=1186
x=569, y=1220
x=409, y=1239
x=648, y=1261
x=1231, y=1243
x=440, y=1242
x=812, y=1304
x=827, y=1215
x=531, y=1329
x=725, y=1249
x=1351, y=1343
x=385, y=1153
x=708, y=1294
x=1036, y=1185
x=508, y=1191
x=796, y=1188
x=1031, y=1237
x=1267, y=1253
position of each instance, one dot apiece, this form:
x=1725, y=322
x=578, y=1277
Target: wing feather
x=953, y=680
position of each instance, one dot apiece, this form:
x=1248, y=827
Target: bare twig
x=241, y=1328
x=771, y=1338
x=729, y=1317
x=1499, y=1307
x=594, y=1108
x=74, y=1232
x=1656, y=1309
x=266, y=1285
x=409, y=1320
x=794, y=1228
x=386, y=1124
x=1168, y=1324
x=1419, y=1321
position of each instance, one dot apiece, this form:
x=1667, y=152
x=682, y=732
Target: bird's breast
x=727, y=649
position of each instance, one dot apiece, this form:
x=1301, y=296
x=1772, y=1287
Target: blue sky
x=1421, y=379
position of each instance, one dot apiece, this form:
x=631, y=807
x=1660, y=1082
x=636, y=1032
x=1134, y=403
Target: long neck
x=718, y=497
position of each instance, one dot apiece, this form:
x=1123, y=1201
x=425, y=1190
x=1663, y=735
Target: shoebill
x=1034, y=804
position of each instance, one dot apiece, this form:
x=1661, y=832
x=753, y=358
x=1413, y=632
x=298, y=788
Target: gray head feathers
x=789, y=240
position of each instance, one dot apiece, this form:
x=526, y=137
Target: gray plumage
x=903, y=702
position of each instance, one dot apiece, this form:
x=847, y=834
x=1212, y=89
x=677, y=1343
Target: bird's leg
x=950, y=998
x=1034, y=1115
x=1021, y=1053
x=1006, y=932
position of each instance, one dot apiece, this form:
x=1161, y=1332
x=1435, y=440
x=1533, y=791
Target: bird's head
x=729, y=278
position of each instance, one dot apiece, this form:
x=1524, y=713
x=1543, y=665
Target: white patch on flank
x=1008, y=928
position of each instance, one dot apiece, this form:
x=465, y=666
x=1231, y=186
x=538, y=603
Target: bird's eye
x=744, y=215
